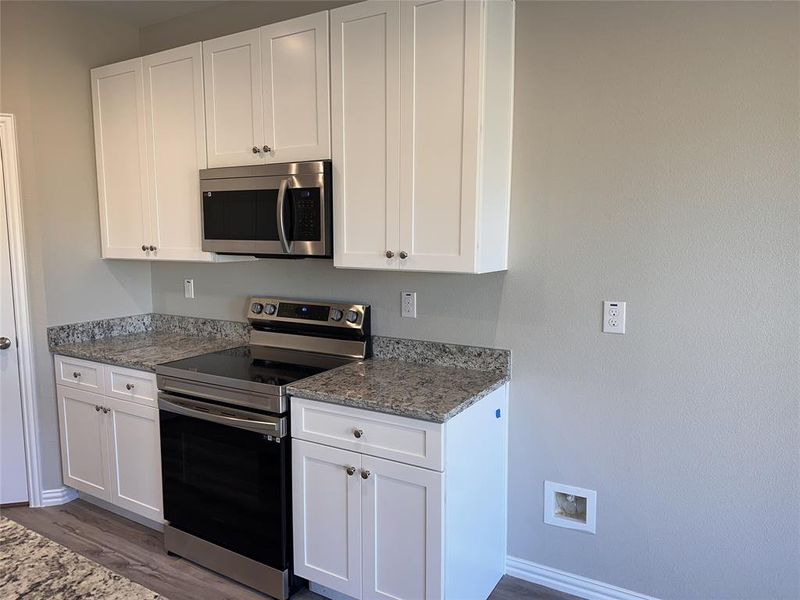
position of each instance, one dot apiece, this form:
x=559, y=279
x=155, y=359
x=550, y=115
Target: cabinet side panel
x=475, y=492
x=496, y=141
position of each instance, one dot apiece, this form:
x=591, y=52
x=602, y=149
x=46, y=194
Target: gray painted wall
x=47, y=50
x=655, y=161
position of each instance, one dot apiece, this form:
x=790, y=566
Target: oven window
x=228, y=486
x=246, y=215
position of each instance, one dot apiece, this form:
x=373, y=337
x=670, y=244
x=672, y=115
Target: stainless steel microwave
x=276, y=211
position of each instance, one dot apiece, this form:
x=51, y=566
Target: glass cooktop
x=255, y=364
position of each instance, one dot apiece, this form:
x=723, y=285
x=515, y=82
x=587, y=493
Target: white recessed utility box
x=569, y=506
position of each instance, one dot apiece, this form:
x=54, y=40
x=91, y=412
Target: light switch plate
x=188, y=288
x=613, y=316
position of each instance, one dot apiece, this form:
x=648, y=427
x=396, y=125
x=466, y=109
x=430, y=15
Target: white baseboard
x=583, y=587
x=58, y=496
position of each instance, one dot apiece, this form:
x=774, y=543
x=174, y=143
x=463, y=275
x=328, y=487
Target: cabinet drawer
x=386, y=436
x=132, y=385
x=80, y=374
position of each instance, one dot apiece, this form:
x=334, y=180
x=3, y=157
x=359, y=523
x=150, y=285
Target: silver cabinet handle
x=256, y=149
x=403, y=254
x=365, y=474
x=129, y=386
x=267, y=149
x=358, y=433
x=97, y=407
x=76, y=374
x=350, y=470
x=389, y=254
x=144, y=248
x=5, y=343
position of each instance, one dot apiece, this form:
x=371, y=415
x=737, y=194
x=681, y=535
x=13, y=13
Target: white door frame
x=19, y=276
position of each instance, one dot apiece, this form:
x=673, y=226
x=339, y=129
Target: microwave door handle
x=285, y=243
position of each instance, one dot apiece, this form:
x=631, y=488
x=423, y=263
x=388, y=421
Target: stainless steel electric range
x=225, y=448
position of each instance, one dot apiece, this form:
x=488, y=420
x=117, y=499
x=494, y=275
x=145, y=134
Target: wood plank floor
x=137, y=553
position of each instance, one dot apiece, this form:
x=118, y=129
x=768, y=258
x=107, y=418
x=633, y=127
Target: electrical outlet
x=409, y=304
x=188, y=288
x=613, y=316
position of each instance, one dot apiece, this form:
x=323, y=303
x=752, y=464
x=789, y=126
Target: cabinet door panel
x=234, y=111
x=439, y=83
x=119, y=133
x=402, y=531
x=84, y=454
x=327, y=516
x=365, y=81
x=294, y=59
x=135, y=454
x=176, y=150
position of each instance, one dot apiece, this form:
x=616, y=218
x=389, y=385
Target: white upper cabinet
x=267, y=94
x=365, y=101
x=119, y=134
x=234, y=114
x=436, y=193
x=176, y=151
x=294, y=67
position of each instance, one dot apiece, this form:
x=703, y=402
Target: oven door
x=284, y=215
x=226, y=477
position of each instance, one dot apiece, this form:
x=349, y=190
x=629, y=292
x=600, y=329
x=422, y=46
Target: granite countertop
x=407, y=389
x=144, y=351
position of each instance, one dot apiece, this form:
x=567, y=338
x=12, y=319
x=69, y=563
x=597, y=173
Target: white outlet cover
x=613, y=316
x=409, y=304
x=188, y=288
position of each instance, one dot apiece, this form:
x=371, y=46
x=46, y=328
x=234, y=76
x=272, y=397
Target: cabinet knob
x=129, y=386
x=152, y=248
x=5, y=343
x=267, y=149
x=97, y=407
x=403, y=254
x=144, y=248
x=350, y=470
x=105, y=410
x=256, y=149
x=365, y=474
x=76, y=374
x=358, y=433
x=389, y=254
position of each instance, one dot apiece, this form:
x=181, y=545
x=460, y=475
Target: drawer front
x=132, y=385
x=386, y=436
x=80, y=374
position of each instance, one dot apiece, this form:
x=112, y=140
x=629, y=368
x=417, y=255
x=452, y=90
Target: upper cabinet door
x=176, y=150
x=234, y=111
x=119, y=135
x=365, y=94
x=294, y=63
x=440, y=58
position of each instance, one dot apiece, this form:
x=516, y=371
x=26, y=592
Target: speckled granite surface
x=35, y=568
x=445, y=355
x=74, y=333
x=144, y=351
x=408, y=389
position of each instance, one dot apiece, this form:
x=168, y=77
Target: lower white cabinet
x=369, y=526
x=110, y=447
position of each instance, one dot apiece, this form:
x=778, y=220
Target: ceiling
x=142, y=13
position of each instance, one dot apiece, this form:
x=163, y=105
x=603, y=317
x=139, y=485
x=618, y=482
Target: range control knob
x=270, y=309
x=352, y=316
x=336, y=314
x=256, y=307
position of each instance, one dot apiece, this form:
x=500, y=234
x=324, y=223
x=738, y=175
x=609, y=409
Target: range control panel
x=277, y=310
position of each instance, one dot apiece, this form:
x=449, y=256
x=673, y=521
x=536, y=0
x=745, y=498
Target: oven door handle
x=281, y=208
x=207, y=412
